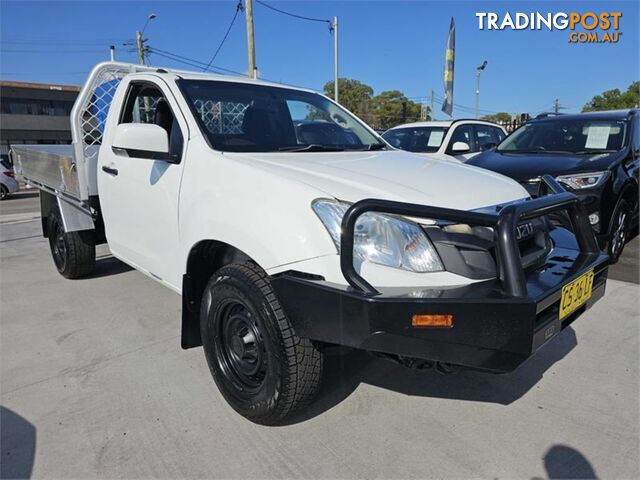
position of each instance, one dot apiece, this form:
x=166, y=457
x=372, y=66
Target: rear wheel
x=4, y=192
x=619, y=230
x=262, y=368
x=74, y=253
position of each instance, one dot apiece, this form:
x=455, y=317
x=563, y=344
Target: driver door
x=139, y=194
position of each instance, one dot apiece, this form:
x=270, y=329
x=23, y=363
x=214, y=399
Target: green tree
x=392, y=108
x=497, y=117
x=354, y=95
x=614, y=99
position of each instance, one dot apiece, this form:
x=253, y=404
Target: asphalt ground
x=93, y=383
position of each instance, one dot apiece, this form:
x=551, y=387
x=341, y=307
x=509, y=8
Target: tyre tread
x=81, y=250
x=302, y=362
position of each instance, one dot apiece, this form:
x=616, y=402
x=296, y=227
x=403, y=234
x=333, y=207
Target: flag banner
x=449, y=60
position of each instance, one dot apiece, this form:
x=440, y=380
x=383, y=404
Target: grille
x=471, y=251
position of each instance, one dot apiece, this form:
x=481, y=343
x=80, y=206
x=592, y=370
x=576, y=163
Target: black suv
x=594, y=155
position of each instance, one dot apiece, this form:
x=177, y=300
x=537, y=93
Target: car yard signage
x=597, y=26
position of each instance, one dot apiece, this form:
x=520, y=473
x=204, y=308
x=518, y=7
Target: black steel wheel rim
x=240, y=346
x=619, y=233
x=58, y=246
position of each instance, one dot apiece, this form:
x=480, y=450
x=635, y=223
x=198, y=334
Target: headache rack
x=69, y=171
x=504, y=222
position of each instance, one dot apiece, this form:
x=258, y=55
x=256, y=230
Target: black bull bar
x=504, y=222
x=498, y=323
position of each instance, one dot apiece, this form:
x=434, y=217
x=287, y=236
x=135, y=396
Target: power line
x=198, y=64
x=52, y=51
x=463, y=108
x=300, y=17
x=59, y=44
x=31, y=42
x=191, y=61
x=239, y=8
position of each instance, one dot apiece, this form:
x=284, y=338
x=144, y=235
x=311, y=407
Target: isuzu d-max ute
x=286, y=224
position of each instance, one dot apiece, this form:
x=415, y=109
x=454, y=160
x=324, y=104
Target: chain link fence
x=221, y=117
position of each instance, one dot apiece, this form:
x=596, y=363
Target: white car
x=8, y=183
x=459, y=139
x=286, y=224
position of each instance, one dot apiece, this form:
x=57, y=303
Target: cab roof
x=188, y=75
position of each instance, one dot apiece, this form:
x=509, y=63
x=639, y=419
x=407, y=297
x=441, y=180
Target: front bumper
x=492, y=330
x=498, y=323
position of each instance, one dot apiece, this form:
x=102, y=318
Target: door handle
x=110, y=171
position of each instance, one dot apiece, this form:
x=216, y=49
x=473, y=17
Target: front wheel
x=4, y=192
x=619, y=230
x=262, y=368
x=74, y=253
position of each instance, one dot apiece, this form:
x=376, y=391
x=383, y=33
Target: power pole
x=140, y=41
x=433, y=106
x=140, y=47
x=336, y=89
x=556, y=105
x=112, y=53
x=251, y=46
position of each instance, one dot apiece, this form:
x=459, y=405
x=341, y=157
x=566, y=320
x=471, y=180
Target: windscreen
x=241, y=117
x=416, y=139
x=578, y=136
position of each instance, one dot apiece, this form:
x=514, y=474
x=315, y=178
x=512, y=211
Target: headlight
x=583, y=180
x=382, y=239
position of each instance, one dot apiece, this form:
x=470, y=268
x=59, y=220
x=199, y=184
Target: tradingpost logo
x=588, y=27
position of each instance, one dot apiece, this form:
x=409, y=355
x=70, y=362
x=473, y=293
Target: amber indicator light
x=434, y=321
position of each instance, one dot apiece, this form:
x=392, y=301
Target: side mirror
x=142, y=140
x=460, y=147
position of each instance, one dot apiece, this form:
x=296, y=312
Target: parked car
x=8, y=183
x=280, y=242
x=594, y=155
x=459, y=139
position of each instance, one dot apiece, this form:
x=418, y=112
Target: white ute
x=287, y=224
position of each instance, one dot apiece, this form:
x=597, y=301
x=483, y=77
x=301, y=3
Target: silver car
x=8, y=183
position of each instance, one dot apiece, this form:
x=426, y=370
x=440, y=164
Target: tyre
x=74, y=253
x=261, y=367
x=4, y=192
x=619, y=230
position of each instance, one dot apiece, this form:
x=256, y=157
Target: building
x=35, y=113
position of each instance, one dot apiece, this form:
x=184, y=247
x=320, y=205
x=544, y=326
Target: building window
x=19, y=106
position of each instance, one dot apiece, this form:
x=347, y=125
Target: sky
x=389, y=45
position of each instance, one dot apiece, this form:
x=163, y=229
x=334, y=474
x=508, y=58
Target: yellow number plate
x=574, y=294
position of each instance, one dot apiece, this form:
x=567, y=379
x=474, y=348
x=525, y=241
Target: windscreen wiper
x=312, y=147
x=585, y=152
x=373, y=146
x=535, y=150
